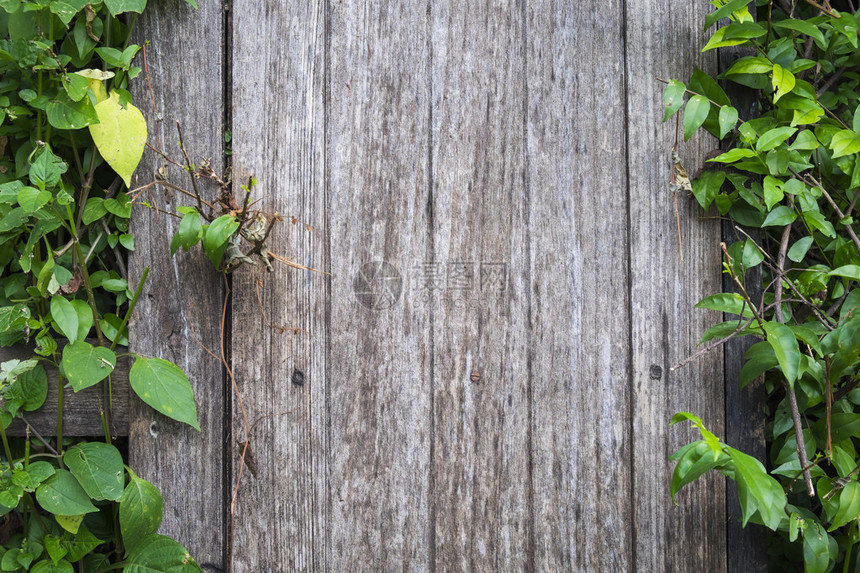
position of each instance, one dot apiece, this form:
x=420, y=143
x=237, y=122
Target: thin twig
x=814, y=181
x=189, y=168
x=798, y=434
x=711, y=345
x=780, y=263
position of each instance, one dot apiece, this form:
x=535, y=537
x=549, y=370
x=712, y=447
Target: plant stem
x=6, y=448
x=60, y=417
x=131, y=305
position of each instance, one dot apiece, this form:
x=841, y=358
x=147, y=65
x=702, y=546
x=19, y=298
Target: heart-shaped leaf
x=84, y=364
x=61, y=494
x=164, y=386
x=98, y=468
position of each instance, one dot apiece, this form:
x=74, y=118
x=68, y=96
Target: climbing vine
x=788, y=183
x=70, y=142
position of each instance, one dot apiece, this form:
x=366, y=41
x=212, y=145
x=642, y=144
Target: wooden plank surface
x=281, y=512
x=485, y=375
x=664, y=40
x=380, y=361
x=186, y=68
x=81, y=410
x=474, y=285
x=578, y=364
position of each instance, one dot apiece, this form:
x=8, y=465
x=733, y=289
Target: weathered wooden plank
x=186, y=68
x=474, y=287
x=745, y=407
x=579, y=363
x=664, y=39
x=278, y=135
x=380, y=362
x=81, y=410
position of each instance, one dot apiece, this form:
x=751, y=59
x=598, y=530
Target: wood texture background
x=505, y=404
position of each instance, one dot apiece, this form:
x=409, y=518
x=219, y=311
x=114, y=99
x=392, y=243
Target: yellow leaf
x=120, y=135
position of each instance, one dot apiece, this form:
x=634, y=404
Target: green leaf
x=76, y=88
x=750, y=65
x=192, y=3
x=695, y=114
x=728, y=119
x=707, y=186
x=140, y=510
x=94, y=210
x=46, y=170
x=844, y=143
x=734, y=34
x=215, y=237
x=85, y=318
x=65, y=317
x=849, y=505
x=802, y=26
x=805, y=141
x=673, y=98
x=783, y=82
x=64, y=113
x=710, y=439
x=164, y=386
x=98, y=468
x=816, y=549
x=85, y=365
x=157, y=553
x=734, y=155
x=855, y=125
x=771, y=139
x=47, y=566
x=693, y=461
x=189, y=232
x=725, y=11
x=757, y=490
x=779, y=217
x=772, y=191
x=61, y=494
x=785, y=346
x=110, y=328
x=730, y=303
x=752, y=256
x=799, y=249
x=847, y=271
x=30, y=388
x=121, y=206
x=119, y=6
x=32, y=199
x=120, y=135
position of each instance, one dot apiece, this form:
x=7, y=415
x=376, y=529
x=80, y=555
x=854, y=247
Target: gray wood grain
x=81, y=410
x=479, y=311
x=664, y=40
x=495, y=398
x=380, y=362
x=578, y=279
x=186, y=68
x=280, y=521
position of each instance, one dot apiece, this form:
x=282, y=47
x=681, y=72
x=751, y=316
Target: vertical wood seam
x=531, y=527
x=327, y=305
x=431, y=246
x=227, y=428
x=631, y=375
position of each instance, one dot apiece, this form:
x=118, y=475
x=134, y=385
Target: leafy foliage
x=70, y=142
x=790, y=185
